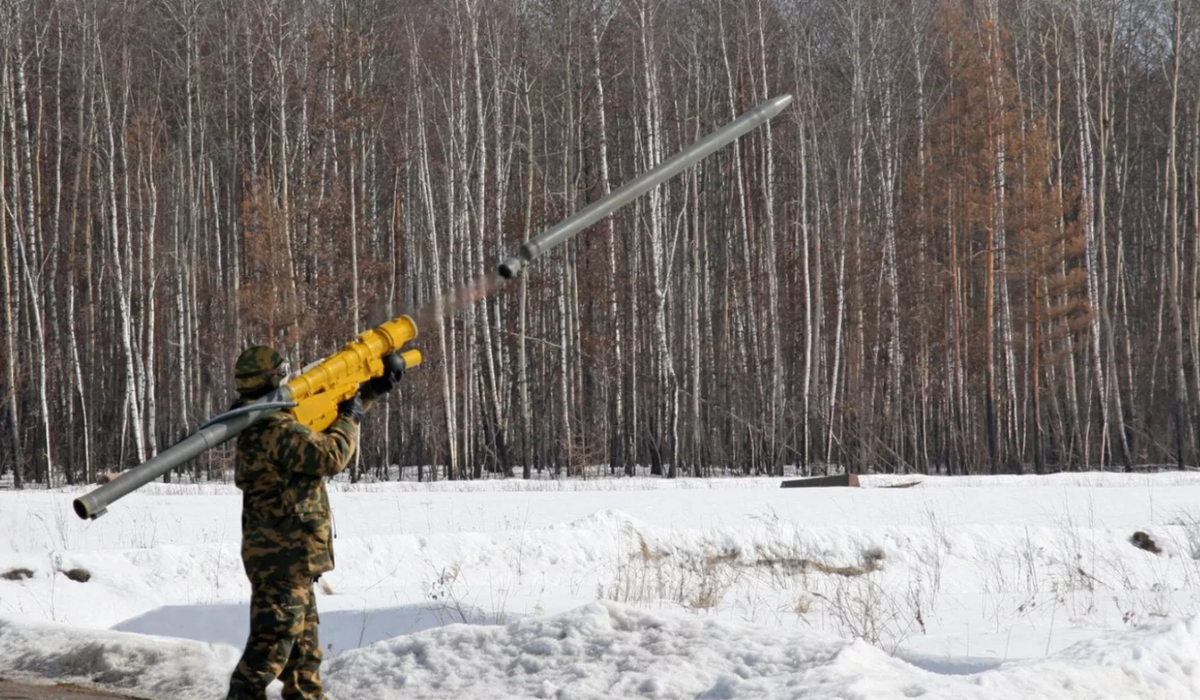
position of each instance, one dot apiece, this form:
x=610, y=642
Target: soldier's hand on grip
x=352, y=408
x=393, y=371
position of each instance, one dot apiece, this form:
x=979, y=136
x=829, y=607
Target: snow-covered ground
x=978, y=587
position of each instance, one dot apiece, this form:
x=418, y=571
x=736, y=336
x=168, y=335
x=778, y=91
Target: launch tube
x=94, y=503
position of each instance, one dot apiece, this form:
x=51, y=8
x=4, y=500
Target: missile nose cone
x=775, y=105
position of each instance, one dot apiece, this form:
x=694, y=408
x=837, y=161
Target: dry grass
x=701, y=581
x=852, y=597
x=872, y=561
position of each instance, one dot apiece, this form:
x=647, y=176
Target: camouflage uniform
x=286, y=544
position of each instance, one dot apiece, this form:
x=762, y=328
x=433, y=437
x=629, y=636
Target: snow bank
x=153, y=667
x=607, y=650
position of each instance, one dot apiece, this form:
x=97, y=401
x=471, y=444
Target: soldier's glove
x=352, y=408
x=393, y=371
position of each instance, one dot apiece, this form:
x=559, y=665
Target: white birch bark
x=1001, y=326
x=563, y=301
x=148, y=233
x=429, y=202
x=57, y=349
x=27, y=237
x=1195, y=298
x=121, y=220
x=775, y=405
x=523, y=292
x=622, y=443
x=1087, y=215
x=491, y=389
x=1105, y=29
x=281, y=60
x=1175, y=290
x=7, y=269
x=659, y=255
x=1070, y=374
x=886, y=145
x=744, y=322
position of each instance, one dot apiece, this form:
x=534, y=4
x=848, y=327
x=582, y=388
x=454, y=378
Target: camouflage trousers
x=283, y=643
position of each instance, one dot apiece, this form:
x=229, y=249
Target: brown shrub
x=80, y=575
x=1143, y=541
x=17, y=574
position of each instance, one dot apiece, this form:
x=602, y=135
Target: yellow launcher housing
x=319, y=388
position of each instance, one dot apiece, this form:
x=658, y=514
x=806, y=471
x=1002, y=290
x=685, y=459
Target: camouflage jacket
x=281, y=466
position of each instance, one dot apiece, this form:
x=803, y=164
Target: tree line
x=968, y=246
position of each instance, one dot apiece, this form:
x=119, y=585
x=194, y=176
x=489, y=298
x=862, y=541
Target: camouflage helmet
x=258, y=368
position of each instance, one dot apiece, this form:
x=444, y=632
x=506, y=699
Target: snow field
x=985, y=587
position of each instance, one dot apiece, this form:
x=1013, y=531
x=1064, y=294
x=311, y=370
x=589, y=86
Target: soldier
x=286, y=542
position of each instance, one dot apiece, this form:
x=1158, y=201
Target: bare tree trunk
x=888, y=173
x=832, y=432
x=28, y=245
x=619, y=447
x=1072, y=433
x=995, y=232
x=566, y=339
x=425, y=176
x=89, y=472
x=666, y=412
x=691, y=453
x=280, y=60
x=1087, y=215
x=63, y=409
x=10, y=320
x=193, y=180
x=1104, y=80
x=148, y=230
x=491, y=389
x=1195, y=207
x=1175, y=291
x=808, y=272
x=354, y=164
x=745, y=321
x=775, y=406
x=858, y=425
x=523, y=302
x=924, y=360
x=119, y=252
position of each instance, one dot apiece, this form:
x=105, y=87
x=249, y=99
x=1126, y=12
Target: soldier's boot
x=277, y=616
x=302, y=674
x=261, y=663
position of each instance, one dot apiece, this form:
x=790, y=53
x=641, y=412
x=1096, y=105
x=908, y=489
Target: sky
x=973, y=587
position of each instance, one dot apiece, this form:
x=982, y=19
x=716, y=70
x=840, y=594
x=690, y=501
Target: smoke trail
x=458, y=299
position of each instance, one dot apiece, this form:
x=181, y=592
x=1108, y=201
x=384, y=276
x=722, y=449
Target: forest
x=968, y=246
